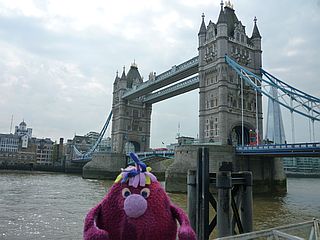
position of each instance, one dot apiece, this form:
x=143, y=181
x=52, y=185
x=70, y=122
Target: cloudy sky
x=59, y=57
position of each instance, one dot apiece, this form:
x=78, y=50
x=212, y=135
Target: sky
x=59, y=58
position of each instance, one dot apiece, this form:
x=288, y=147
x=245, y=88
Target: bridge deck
x=176, y=73
x=281, y=150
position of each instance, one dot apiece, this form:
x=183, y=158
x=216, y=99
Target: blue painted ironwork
x=296, y=149
x=174, y=90
x=87, y=156
x=303, y=103
x=147, y=156
x=175, y=70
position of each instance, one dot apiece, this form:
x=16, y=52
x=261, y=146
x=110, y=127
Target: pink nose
x=135, y=205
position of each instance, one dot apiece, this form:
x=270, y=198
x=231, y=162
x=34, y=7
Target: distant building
x=44, y=149
x=9, y=143
x=302, y=164
x=21, y=149
x=22, y=130
x=58, y=153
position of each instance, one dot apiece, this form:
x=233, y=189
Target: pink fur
x=108, y=220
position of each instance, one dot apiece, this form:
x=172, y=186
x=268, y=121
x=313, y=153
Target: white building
x=9, y=143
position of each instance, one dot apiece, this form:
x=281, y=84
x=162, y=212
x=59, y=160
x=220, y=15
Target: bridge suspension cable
x=289, y=97
x=87, y=155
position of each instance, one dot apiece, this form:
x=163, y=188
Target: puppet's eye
x=145, y=192
x=125, y=192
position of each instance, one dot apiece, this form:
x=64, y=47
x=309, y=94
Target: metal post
x=242, y=128
x=313, y=135
x=292, y=121
x=246, y=202
x=224, y=220
x=257, y=116
x=312, y=124
x=309, y=127
x=199, y=220
x=192, y=201
x=205, y=192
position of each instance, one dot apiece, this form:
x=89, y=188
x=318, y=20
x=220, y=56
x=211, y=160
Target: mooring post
x=205, y=192
x=192, y=198
x=202, y=181
x=246, y=201
x=199, y=219
x=224, y=219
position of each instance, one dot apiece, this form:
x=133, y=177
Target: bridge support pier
x=268, y=173
x=104, y=166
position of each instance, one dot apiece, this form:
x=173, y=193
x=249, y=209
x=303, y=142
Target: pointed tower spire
x=203, y=28
x=222, y=17
x=255, y=32
x=123, y=76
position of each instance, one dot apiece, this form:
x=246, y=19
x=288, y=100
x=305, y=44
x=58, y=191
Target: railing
x=305, y=230
x=177, y=69
x=146, y=155
x=178, y=86
x=174, y=70
x=285, y=149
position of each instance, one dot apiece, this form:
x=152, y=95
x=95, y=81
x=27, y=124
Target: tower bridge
x=228, y=73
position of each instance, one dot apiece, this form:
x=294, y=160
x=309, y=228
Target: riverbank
x=302, y=175
x=70, y=168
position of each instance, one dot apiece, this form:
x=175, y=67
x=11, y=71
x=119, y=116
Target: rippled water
x=37, y=205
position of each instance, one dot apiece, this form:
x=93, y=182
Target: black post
x=246, y=201
x=192, y=198
x=224, y=220
x=205, y=192
x=202, y=194
x=199, y=219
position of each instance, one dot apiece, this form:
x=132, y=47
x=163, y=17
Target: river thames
x=41, y=205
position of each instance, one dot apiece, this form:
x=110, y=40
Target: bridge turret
x=220, y=102
x=222, y=33
x=202, y=32
x=133, y=76
x=202, y=39
x=256, y=42
x=131, y=118
x=222, y=26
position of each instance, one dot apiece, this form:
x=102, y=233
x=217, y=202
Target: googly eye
x=126, y=192
x=145, y=192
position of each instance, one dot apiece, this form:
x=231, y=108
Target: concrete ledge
x=186, y=158
x=104, y=166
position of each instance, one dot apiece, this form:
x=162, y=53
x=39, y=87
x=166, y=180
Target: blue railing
x=173, y=71
x=302, y=149
x=145, y=156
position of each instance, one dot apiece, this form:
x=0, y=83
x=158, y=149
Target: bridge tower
x=223, y=112
x=131, y=118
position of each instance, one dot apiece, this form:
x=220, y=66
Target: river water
x=38, y=205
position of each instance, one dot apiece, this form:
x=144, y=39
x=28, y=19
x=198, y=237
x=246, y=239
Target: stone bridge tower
x=220, y=110
x=131, y=119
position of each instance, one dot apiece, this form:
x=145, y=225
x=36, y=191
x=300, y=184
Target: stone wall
x=104, y=166
x=268, y=173
x=186, y=158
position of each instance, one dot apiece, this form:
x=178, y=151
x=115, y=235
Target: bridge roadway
x=281, y=150
x=176, y=73
x=272, y=150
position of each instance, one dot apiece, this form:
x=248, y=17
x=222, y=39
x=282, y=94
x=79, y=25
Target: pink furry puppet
x=137, y=208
